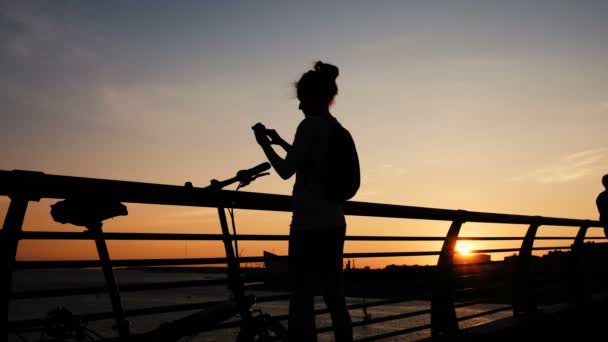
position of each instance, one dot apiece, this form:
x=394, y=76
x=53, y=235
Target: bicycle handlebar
x=244, y=177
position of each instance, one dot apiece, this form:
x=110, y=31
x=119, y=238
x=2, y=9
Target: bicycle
x=255, y=326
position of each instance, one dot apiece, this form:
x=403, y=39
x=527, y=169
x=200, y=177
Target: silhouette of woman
x=318, y=227
x=602, y=204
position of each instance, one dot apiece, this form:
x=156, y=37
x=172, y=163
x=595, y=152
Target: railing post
x=524, y=297
x=579, y=294
x=122, y=324
x=444, y=323
x=11, y=230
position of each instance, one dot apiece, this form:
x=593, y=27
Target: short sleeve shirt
x=308, y=156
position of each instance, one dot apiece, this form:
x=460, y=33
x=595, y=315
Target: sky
x=498, y=106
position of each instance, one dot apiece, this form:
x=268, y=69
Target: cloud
x=570, y=167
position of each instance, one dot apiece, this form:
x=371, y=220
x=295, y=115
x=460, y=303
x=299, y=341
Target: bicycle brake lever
x=254, y=177
x=244, y=184
x=261, y=175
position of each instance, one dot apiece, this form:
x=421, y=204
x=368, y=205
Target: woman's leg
x=333, y=289
x=340, y=317
x=301, y=317
x=301, y=325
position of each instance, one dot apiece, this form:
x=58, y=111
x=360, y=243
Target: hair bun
x=330, y=70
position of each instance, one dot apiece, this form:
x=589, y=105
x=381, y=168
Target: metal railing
x=25, y=186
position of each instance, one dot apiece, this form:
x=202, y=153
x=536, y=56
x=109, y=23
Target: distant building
x=274, y=263
x=350, y=265
x=460, y=258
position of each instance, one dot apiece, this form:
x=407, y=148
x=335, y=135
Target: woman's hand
x=260, y=134
x=275, y=138
x=263, y=136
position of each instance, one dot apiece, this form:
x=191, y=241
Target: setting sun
x=464, y=247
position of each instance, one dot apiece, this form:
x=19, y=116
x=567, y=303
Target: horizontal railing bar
x=128, y=262
x=459, y=267
x=507, y=238
x=52, y=235
x=388, y=254
x=485, y=313
x=49, y=235
x=55, y=235
x=123, y=288
x=186, y=261
x=504, y=250
x=36, y=185
x=208, y=261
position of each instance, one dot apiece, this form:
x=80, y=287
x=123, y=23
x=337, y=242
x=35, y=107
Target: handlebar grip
x=246, y=175
x=259, y=169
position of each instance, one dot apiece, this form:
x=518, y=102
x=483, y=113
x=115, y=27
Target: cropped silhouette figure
x=318, y=226
x=602, y=204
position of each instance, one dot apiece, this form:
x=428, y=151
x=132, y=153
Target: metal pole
x=122, y=325
x=579, y=294
x=444, y=323
x=11, y=230
x=524, y=297
x=234, y=273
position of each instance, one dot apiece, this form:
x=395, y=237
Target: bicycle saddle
x=86, y=212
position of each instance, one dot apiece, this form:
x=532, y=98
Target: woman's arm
x=275, y=139
x=280, y=165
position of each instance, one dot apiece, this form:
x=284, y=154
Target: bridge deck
x=551, y=324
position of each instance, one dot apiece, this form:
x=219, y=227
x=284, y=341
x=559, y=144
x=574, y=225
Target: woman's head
x=605, y=181
x=317, y=88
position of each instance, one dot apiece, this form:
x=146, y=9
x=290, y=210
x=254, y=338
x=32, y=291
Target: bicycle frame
x=234, y=268
x=240, y=303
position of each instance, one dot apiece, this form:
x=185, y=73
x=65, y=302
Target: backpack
x=342, y=176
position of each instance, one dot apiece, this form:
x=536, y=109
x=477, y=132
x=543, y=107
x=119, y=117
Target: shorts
x=315, y=258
